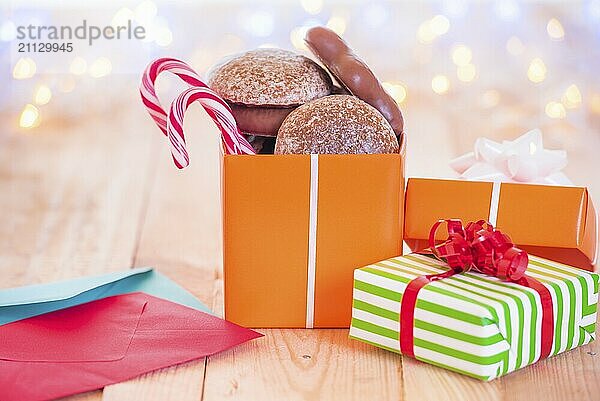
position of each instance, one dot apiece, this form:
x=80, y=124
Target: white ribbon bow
x=521, y=160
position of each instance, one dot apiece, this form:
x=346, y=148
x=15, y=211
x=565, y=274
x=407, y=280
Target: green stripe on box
x=590, y=328
x=395, y=351
x=391, y=276
x=373, y=328
x=465, y=356
x=380, y=292
x=396, y=296
x=458, y=335
x=454, y=313
x=376, y=310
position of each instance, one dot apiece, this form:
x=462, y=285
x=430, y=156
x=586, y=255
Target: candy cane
x=149, y=98
x=232, y=139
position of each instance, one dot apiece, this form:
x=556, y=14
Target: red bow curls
x=480, y=246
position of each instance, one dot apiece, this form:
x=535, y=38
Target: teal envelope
x=23, y=302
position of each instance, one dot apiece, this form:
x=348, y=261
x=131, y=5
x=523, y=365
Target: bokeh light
x=440, y=25
x=425, y=33
x=555, y=110
x=440, y=84
x=430, y=29
x=30, y=117
x=555, y=29
x=24, y=68
x=78, y=66
x=572, y=97
x=396, y=90
x=297, y=37
x=461, y=55
x=337, y=24
x=100, y=67
x=537, y=70
x=121, y=17
x=312, y=6
x=43, y=94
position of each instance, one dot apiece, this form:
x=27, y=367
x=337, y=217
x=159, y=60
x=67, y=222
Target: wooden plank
x=71, y=202
x=181, y=382
x=304, y=365
x=430, y=383
x=297, y=364
x=181, y=237
x=73, y=199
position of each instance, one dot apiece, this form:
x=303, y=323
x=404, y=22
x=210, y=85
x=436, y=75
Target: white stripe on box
x=587, y=320
x=464, y=346
x=487, y=330
x=376, y=319
x=375, y=338
x=377, y=300
x=380, y=281
x=312, y=241
x=399, y=265
x=494, y=203
x=466, y=366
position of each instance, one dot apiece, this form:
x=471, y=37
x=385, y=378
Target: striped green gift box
x=471, y=323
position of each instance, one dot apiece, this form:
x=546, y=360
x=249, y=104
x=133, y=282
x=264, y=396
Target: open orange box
x=557, y=223
x=296, y=226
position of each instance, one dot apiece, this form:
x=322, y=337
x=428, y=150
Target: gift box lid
x=555, y=222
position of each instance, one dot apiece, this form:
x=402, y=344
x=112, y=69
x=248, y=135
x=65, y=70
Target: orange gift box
x=296, y=226
x=554, y=222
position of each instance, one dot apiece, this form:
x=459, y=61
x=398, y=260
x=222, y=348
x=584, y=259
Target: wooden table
x=92, y=196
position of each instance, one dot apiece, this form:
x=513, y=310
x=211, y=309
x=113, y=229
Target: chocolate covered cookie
x=353, y=74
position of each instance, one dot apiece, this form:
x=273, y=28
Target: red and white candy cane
x=232, y=139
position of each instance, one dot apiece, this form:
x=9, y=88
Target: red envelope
x=90, y=346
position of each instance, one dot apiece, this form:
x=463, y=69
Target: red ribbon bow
x=481, y=247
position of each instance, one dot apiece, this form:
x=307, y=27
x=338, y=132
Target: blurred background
x=459, y=69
